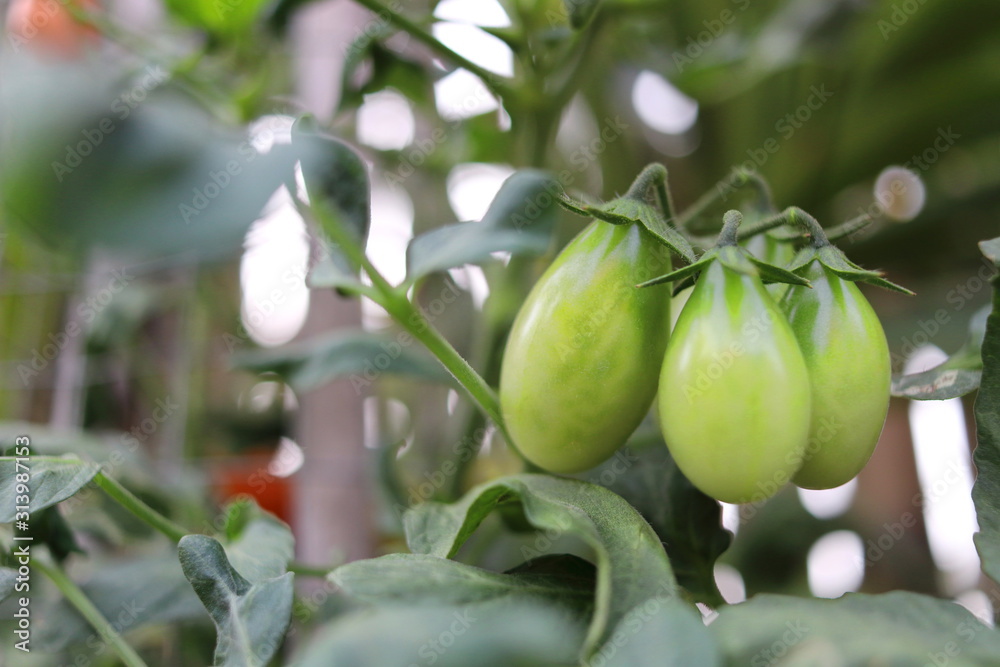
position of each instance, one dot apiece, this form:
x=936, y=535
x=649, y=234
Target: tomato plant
x=501, y=395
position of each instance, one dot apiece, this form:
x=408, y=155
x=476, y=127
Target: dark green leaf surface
x=8, y=579
x=661, y=633
x=251, y=617
x=986, y=491
x=360, y=355
x=632, y=566
x=688, y=522
x=52, y=481
x=897, y=628
x=480, y=635
x=423, y=579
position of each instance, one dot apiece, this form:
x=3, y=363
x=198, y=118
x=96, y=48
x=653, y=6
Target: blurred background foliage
x=817, y=96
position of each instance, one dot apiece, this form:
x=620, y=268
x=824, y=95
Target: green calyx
x=633, y=207
x=733, y=257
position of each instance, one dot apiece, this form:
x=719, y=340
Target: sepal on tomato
x=834, y=259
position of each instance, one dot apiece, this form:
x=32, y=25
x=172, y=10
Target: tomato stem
x=730, y=226
x=723, y=189
x=76, y=597
x=408, y=316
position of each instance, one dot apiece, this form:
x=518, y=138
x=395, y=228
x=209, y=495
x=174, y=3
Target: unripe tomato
x=847, y=356
x=580, y=369
x=47, y=27
x=734, y=391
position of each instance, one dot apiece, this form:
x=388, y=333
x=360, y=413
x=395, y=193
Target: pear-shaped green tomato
x=847, y=356
x=734, y=391
x=580, y=369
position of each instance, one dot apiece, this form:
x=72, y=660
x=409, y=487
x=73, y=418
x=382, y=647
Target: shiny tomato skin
x=734, y=392
x=580, y=368
x=847, y=355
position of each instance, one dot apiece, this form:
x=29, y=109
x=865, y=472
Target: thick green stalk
x=92, y=614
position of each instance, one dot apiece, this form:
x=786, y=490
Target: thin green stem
x=133, y=504
x=853, y=225
x=308, y=570
x=490, y=80
x=651, y=174
x=414, y=321
x=721, y=192
x=76, y=597
x=793, y=215
x=408, y=315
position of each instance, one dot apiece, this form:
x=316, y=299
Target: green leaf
x=163, y=179
x=664, y=631
x=936, y=384
x=251, y=616
x=986, y=490
x=518, y=221
x=259, y=545
x=336, y=181
x=958, y=375
x=360, y=355
x=775, y=274
x=628, y=210
x=132, y=594
x=687, y=521
x=52, y=481
x=835, y=260
x=245, y=586
x=8, y=580
x=897, y=628
x=423, y=579
x=484, y=635
x=684, y=271
x=631, y=564
x=224, y=17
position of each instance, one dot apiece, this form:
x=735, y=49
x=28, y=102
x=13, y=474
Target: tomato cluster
x=756, y=387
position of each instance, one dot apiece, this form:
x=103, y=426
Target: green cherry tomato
x=580, y=368
x=847, y=356
x=734, y=391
